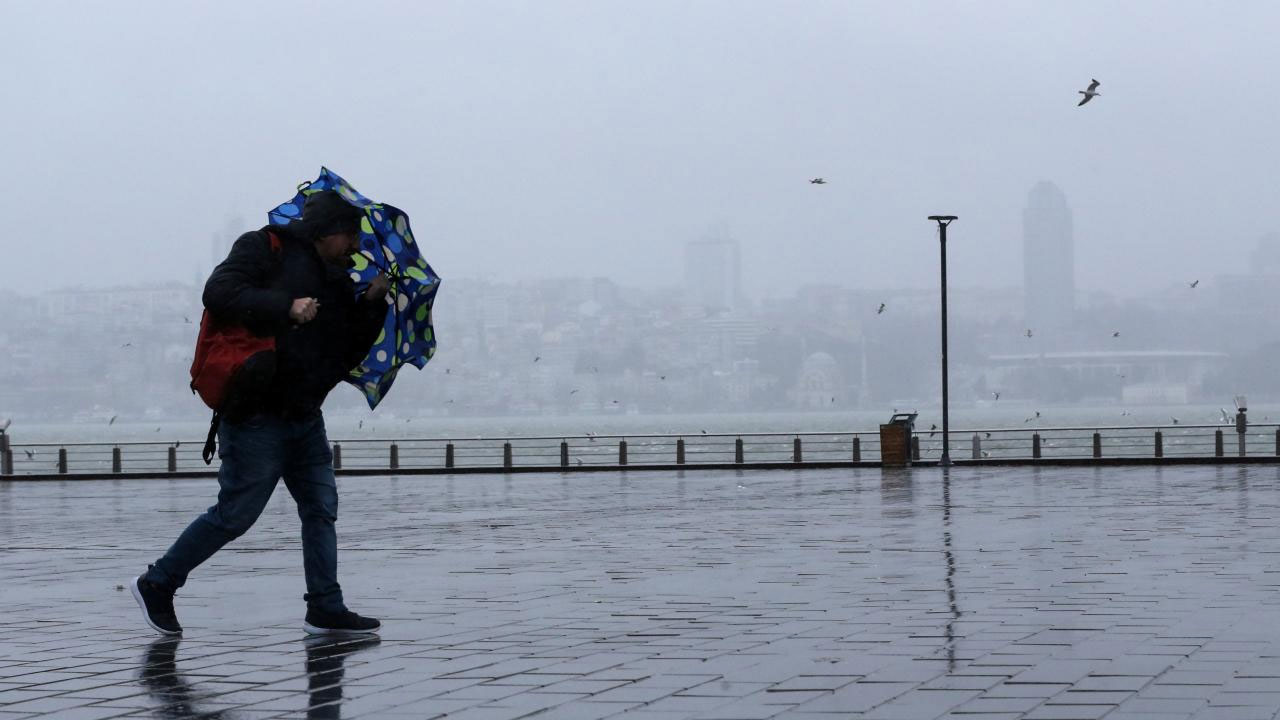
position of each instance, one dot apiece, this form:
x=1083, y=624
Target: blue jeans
x=255, y=454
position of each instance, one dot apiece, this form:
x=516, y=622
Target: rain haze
x=536, y=141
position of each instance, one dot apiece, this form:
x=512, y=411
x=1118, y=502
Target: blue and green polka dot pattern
x=387, y=246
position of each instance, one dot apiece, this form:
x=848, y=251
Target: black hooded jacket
x=256, y=287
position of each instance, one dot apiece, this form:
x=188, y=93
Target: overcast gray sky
x=553, y=138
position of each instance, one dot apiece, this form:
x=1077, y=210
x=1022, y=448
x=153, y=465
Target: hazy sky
x=530, y=139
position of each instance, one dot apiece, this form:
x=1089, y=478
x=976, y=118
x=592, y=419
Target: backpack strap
x=211, y=441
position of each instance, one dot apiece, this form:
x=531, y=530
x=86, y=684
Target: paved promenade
x=1066, y=593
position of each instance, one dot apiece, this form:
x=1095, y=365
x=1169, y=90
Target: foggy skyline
x=580, y=138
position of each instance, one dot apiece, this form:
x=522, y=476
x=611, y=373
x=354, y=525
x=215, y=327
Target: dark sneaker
x=157, y=606
x=319, y=622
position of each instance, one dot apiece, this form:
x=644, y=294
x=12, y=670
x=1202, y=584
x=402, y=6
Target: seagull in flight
x=818, y=181
x=881, y=309
x=995, y=395
x=1194, y=284
x=1089, y=93
x=1115, y=334
x=1028, y=332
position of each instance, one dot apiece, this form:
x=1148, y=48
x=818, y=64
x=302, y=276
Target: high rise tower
x=713, y=273
x=1048, y=259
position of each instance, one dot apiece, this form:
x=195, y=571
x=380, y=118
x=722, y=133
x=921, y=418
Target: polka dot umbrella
x=387, y=247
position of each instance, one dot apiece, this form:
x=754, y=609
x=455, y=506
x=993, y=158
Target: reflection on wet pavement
x=979, y=592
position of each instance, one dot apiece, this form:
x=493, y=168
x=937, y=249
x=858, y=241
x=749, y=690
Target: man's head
x=333, y=224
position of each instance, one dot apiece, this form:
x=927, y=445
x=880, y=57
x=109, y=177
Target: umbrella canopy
x=387, y=247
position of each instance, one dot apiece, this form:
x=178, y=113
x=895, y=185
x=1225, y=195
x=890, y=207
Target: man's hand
x=304, y=310
x=378, y=288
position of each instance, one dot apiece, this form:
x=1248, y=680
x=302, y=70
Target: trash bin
x=895, y=440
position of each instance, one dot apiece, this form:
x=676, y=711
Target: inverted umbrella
x=387, y=247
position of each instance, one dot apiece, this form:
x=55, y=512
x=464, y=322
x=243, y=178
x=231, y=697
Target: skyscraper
x=713, y=273
x=1048, y=259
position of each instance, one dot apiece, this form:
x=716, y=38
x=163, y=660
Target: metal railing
x=598, y=452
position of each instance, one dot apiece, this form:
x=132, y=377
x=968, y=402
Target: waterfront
x=1037, y=593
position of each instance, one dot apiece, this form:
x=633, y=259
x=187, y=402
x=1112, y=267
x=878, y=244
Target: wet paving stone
x=973, y=593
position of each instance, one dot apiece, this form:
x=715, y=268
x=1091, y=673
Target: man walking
x=299, y=292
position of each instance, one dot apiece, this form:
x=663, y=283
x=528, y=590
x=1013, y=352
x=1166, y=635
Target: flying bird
x=818, y=181
x=1115, y=334
x=881, y=309
x=1225, y=418
x=537, y=358
x=573, y=391
x=112, y=420
x=996, y=395
x=1174, y=419
x=662, y=377
x=30, y=454
x=186, y=319
x=1194, y=284
x=1028, y=332
x=1089, y=93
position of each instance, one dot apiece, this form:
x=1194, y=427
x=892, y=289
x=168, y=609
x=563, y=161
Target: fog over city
x=618, y=199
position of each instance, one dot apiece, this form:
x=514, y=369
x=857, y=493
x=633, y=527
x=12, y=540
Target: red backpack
x=228, y=358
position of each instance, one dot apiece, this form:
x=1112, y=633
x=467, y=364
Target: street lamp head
x=942, y=218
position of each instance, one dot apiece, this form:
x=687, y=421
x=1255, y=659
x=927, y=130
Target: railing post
x=857, y=449
x=1159, y=444
x=680, y=448
x=6, y=454
x=622, y=452
x=737, y=451
x=173, y=459
x=1277, y=442
x=1097, y=444
x=395, y=456
x=977, y=446
x=564, y=453
x=115, y=460
x=1242, y=429
x=1035, y=446
x=915, y=447
x=796, y=455
x=62, y=461
x=506, y=456
x=448, y=455
x=337, y=456
x=1217, y=443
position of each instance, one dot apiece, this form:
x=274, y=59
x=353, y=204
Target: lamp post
x=943, y=221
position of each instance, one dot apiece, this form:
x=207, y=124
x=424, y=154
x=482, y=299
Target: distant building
x=1048, y=259
x=713, y=274
x=818, y=382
